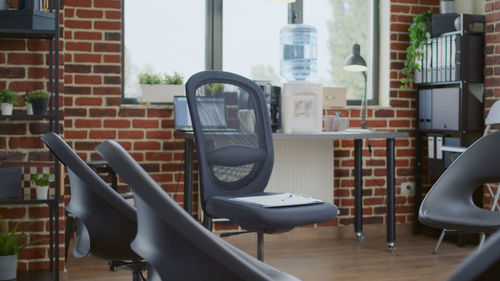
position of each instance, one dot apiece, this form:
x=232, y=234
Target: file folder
x=430, y=147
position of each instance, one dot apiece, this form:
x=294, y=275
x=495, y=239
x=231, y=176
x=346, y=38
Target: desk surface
x=349, y=134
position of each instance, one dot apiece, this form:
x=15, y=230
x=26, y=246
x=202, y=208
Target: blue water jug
x=299, y=58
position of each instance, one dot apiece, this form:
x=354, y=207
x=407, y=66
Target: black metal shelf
x=17, y=201
x=28, y=117
x=27, y=24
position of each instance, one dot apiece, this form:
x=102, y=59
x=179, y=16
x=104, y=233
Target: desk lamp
x=355, y=63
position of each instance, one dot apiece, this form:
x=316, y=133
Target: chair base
x=443, y=232
x=135, y=267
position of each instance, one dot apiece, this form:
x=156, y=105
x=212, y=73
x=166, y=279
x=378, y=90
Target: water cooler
x=301, y=100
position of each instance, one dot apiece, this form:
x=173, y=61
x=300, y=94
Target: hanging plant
x=420, y=31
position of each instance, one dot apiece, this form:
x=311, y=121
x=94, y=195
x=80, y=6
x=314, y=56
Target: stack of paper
x=279, y=200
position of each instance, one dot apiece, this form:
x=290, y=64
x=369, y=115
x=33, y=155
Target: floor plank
x=327, y=253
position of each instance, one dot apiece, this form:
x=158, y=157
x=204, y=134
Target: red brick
x=112, y=58
x=108, y=4
x=72, y=134
x=88, y=79
x=84, y=123
x=12, y=72
x=158, y=134
x=25, y=142
x=78, y=3
x=84, y=101
x=147, y=145
x=113, y=15
x=130, y=134
x=102, y=134
x=107, y=47
x=13, y=213
x=87, y=13
x=159, y=156
x=107, y=25
x=84, y=35
x=88, y=58
x=116, y=123
x=145, y=124
x=78, y=24
x=107, y=91
x=102, y=112
x=25, y=58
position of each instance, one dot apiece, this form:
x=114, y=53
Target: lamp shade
x=355, y=62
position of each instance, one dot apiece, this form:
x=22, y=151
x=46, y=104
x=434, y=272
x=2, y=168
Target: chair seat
x=269, y=220
x=471, y=220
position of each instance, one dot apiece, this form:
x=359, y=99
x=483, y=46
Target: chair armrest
x=458, y=149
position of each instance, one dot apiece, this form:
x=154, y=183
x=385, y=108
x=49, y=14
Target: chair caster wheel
x=360, y=236
x=392, y=247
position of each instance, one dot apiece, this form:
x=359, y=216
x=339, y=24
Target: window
x=243, y=36
x=251, y=38
x=162, y=37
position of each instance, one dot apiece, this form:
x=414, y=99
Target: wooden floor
x=328, y=253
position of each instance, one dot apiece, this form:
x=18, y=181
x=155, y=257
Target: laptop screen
x=182, y=119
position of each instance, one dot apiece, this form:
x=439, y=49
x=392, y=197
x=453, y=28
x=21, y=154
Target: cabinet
x=450, y=90
x=36, y=24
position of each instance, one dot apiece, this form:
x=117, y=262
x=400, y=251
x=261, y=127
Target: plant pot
x=39, y=106
x=29, y=109
x=4, y=5
x=6, y=108
x=41, y=192
x=161, y=93
x=447, y=7
x=8, y=267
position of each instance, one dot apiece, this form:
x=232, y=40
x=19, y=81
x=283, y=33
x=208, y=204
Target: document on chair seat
x=279, y=200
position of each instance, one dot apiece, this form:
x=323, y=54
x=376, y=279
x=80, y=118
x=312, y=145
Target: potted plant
x=39, y=100
x=156, y=88
x=215, y=89
x=420, y=32
x=41, y=181
x=447, y=6
x=7, y=100
x=10, y=245
x=26, y=99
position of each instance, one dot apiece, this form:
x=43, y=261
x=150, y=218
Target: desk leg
x=188, y=175
x=391, y=215
x=358, y=190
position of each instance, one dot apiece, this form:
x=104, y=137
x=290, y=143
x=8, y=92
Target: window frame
x=214, y=44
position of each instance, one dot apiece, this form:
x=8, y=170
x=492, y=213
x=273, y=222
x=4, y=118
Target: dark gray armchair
x=174, y=244
x=449, y=204
x=235, y=155
x=106, y=223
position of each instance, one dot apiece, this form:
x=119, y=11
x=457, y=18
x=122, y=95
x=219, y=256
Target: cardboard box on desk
x=334, y=97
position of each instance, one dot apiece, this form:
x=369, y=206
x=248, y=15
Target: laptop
x=212, y=112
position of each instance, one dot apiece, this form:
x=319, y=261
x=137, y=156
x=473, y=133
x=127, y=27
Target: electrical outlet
x=408, y=188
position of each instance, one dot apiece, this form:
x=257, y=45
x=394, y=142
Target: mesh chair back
x=106, y=222
x=232, y=133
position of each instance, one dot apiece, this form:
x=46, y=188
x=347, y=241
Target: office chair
x=106, y=223
x=493, y=118
x=483, y=264
x=235, y=155
x=449, y=204
x=174, y=244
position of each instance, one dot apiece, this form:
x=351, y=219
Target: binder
x=453, y=71
x=439, y=145
x=434, y=60
x=430, y=147
x=425, y=109
x=428, y=61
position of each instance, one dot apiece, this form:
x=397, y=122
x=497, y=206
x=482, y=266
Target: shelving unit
x=36, y=24
x=449, y=99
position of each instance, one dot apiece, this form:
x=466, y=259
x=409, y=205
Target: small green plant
x=8, y=96
x=215, y=89
x=420, y=31
x=38, y=95
x=42, y=179
x=10, y=242
x=157, y=79
x=26, y=97
x=175, y=79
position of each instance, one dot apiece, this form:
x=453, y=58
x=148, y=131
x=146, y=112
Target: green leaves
x=10, y=242
x=419, y=34
x=8, y=96
x=42, y=179
x=157, y=79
